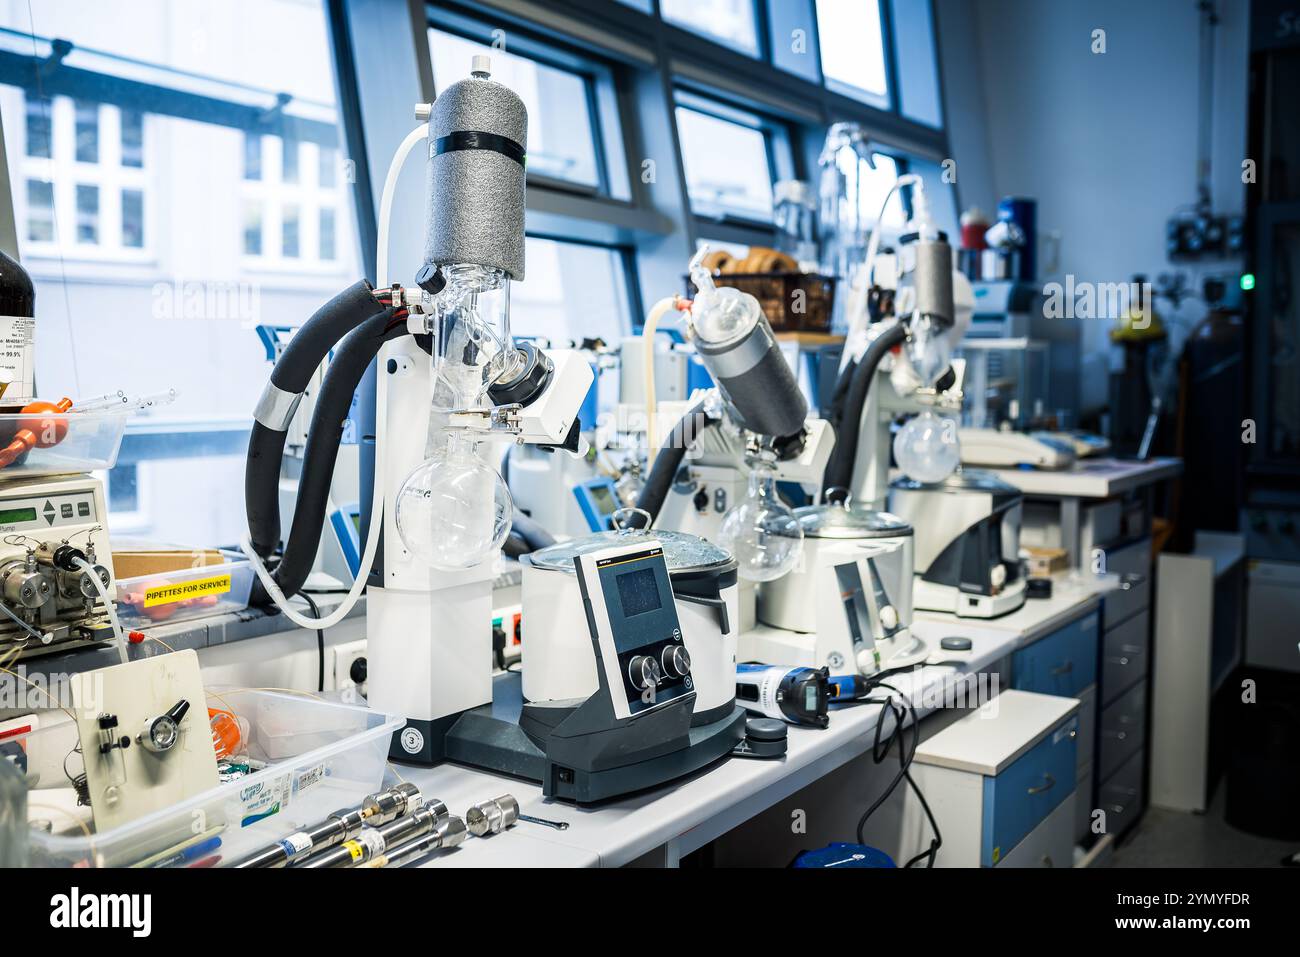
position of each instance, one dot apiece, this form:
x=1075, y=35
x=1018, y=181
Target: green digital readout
x=12, y=516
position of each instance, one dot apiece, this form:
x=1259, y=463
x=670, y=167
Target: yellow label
x=354, y=848
x=997, y=853
x=184, y=591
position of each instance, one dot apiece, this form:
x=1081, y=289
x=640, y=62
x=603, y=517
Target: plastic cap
x=481, y=65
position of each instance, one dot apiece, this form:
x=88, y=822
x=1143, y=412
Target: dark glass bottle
x=17, y=331
x=17, y=294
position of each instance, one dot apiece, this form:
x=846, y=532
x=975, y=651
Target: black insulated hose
x=351, y=359
x=655, y=491
x=291, y=375
x=839, y=471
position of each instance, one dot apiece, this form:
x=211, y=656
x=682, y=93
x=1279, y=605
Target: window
x=327, y=173
x=289, y=232
x=38, y=127
x=252, y=229
x=87, y=131
x=84, y=163
x=727, y=160
x=572, y=290
x=728, y=21
x=289, y=168
x=918, y=82
x=132, y=138
x=561, y=137
x=133, y=218
x=870, y=187
x=40, y=211
x=87, y=214
x=252, y=156
x=154, y=214
x=326, y=232
x=853, y=49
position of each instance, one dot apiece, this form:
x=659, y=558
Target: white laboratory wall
x=1106, y=143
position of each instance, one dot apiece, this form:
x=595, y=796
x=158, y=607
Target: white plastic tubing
x=417, y=135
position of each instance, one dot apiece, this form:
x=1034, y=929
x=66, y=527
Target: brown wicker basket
x=777, y=293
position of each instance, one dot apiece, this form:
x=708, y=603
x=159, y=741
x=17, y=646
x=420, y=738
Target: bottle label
x=17, y=358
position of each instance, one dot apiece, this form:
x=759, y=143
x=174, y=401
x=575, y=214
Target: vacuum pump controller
x=631, y=614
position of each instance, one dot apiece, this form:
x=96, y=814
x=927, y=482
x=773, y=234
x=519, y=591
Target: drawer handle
x=1132, y=649
x=1119, y=735
x=1131, y=580
x=1049, y=782
x=1122, y=660
x=1064, y=669
x=1117, y=809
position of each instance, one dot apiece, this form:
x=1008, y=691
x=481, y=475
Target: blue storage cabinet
x=1001, y=782
x=1065, y=662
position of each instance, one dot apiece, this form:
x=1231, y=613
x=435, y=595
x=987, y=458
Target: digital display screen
x=603, y=497
x=638, y=592
x=12, y=516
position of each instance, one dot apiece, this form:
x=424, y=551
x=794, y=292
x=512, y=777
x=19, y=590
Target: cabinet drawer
x=1062, y=663
x=1050, y=844
x=1027, y=791
x=1126, y=650
x=1085, y=749
x=1083, y=806
x=1132, y=564
x=1120, y=796
x=1122, y=729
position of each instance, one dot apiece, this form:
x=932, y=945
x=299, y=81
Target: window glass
x=918, y=74
x=571, y=291
x=132, y=218
x=40, y=211
x=132, y=138
x=87, y=131
x=790, y=24
x=871, y=187
x=87, y=214
x=727, y=21
x=727, y=167
x=154, y=214
x=561, y=143
x=38, y=126
x=853, y=48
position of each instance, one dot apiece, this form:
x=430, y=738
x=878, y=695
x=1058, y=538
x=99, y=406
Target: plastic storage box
x=162, y=587
x=321, y=756
x=60, y=443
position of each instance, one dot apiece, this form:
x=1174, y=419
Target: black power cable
x=899, y=708
x=320, y=640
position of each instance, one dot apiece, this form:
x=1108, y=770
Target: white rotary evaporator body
x=847, y=605
x=448, y=395
x=558, y=661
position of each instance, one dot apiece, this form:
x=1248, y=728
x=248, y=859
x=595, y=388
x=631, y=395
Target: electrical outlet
x=341, y=672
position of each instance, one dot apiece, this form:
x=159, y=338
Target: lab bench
x=661, y=826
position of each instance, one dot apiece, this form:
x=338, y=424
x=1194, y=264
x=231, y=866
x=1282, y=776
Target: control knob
x=644, y=672
x=676, y=661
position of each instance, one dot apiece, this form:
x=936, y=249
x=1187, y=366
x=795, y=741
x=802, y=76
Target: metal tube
x=450, y=833
x=338, y=827
x=370, y=842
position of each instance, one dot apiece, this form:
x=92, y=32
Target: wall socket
x=341, y=673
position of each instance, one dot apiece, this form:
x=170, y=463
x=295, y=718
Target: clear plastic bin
x=64, y=442
x=322, y=756
x=211, y=583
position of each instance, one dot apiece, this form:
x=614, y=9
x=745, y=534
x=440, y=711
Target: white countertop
x=996, y=733
x=1091, y=477
x=689, y=813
